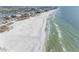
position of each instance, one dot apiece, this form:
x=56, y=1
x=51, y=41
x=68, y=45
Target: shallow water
x=63, y=33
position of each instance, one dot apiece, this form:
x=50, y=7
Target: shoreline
x=45, y=32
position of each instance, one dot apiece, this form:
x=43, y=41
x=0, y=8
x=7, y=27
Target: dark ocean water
x=64, y=30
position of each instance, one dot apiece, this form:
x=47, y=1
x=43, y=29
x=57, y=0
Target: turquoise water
x=64, y=30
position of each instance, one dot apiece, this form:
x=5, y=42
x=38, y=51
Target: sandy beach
x=27, y=35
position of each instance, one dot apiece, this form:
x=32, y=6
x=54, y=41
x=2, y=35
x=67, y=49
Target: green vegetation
x=8, y=11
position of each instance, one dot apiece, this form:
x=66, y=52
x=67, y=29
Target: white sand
x=27, y=35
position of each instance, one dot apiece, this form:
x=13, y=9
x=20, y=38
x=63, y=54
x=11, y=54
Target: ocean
x=64, y=30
